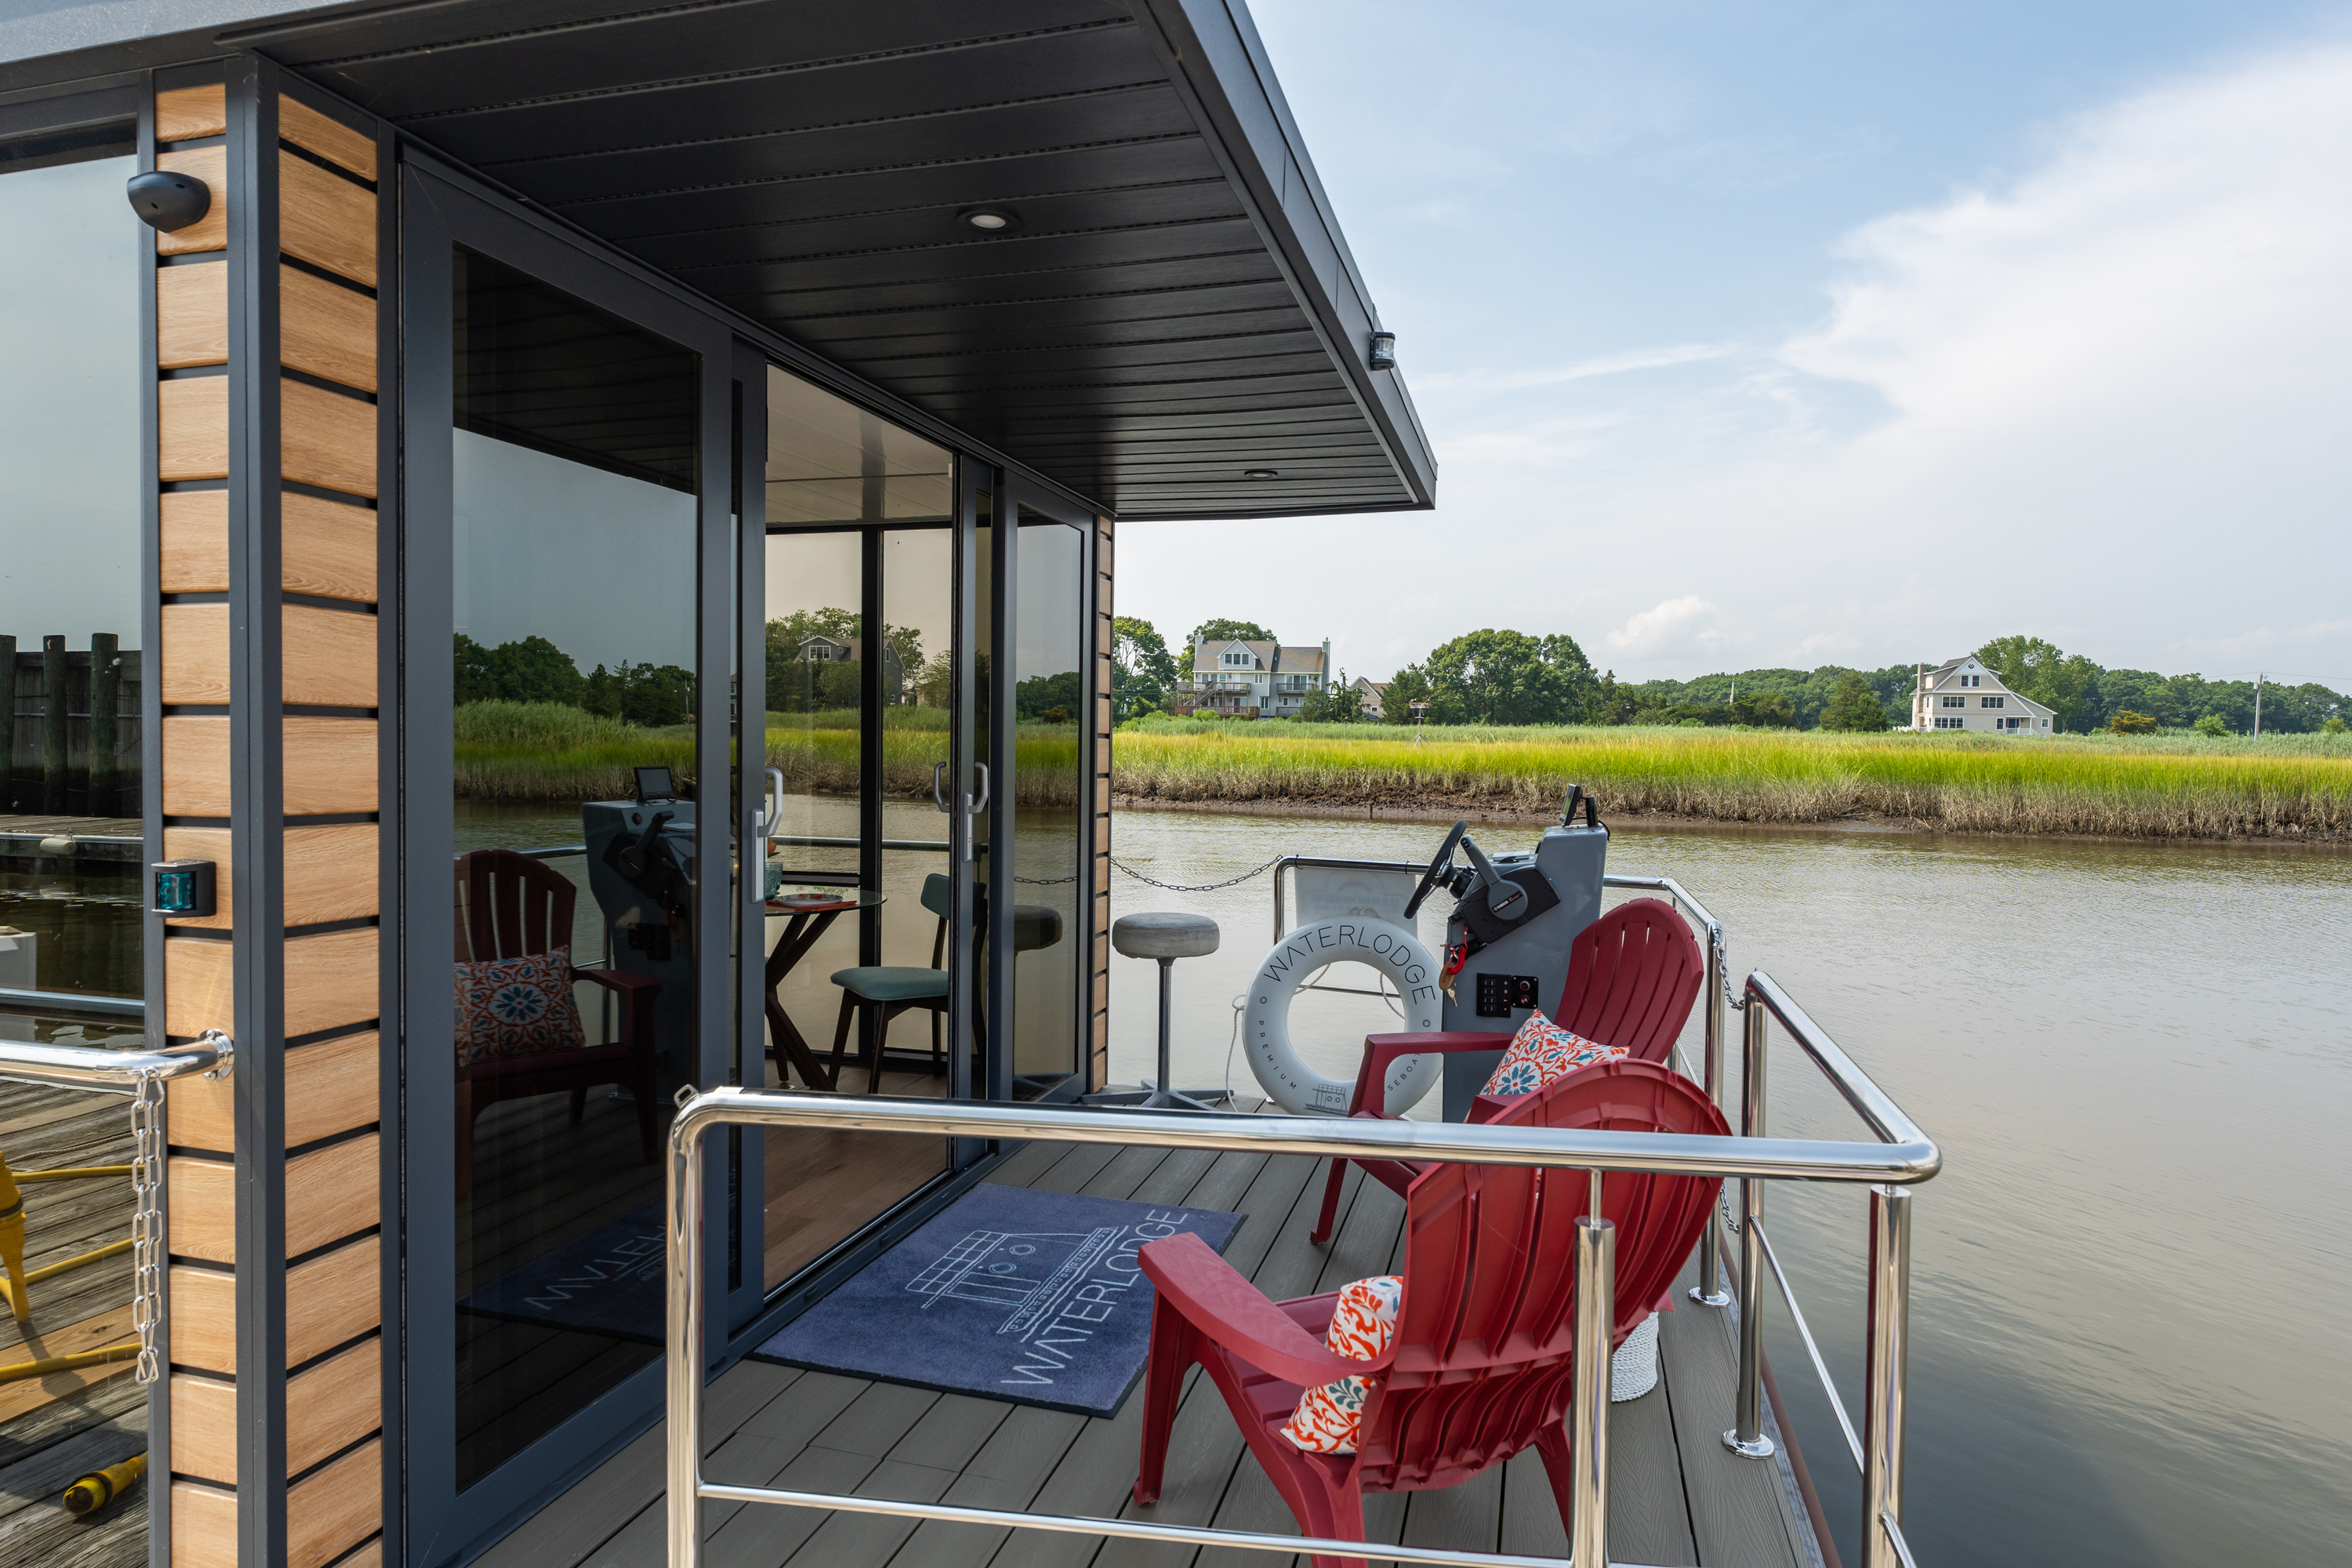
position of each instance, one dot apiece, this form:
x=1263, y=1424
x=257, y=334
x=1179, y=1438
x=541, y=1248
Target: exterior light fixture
x=166, y=201
x=990, y=220
x=1383, y=351
x=1260, y=474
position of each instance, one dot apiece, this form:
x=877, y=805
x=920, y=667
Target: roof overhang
x=1171, y=308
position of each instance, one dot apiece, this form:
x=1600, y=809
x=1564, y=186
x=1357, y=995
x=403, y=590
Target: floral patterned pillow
x=1365, y=1319
x=1542, y=1052
x=516, y=1007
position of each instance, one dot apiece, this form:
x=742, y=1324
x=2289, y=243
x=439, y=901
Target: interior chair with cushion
x=1481, y=1363
x=520, y=1033
x=890, y=989
x=1632, y=977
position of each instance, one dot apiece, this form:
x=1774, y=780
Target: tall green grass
x=2161, y=788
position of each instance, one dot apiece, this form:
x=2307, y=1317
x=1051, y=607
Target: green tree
x=2210, y=724
x=1853, y=706
x=1231, y=631
x=532, y=669
x=1048, y=699
x=1609, y=703
x=2127, y=722
x=1143, y=671
x=1492, y=676
x=1335, y=701
x=1406, y=687
x=1767, y=710
x=2034, y=668
x=476, y=680
x=2334, y=725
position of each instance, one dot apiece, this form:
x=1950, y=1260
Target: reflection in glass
x=574, y=470
x=71, y=859
x=1049, y=702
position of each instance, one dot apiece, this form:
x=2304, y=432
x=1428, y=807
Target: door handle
x=938, y=796
x=772, y=810
x=977, y=807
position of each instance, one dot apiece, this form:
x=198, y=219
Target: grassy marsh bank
x=2298, y=787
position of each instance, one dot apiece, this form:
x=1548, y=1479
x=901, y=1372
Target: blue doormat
x=1016, y=1294
x=608, y=1282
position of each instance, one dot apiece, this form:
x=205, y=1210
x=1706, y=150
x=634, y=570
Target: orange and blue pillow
x=1541, y=1053
x=1362, y=1323
x=516, y=1006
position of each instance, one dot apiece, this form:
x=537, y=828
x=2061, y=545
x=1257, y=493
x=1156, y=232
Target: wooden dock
x=54, y=1430
x=1676, y=1495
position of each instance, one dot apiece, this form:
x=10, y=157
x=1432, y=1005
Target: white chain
x=147, y=1221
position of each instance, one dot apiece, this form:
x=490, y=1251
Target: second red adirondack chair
x=1482, y=1364
x=1633, y=975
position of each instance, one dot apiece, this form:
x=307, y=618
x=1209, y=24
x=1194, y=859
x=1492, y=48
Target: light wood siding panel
x=194, y=542
x=192, y=428
x=203, y=1427
x=195, y=766
x=204, y=1526
x=330, y=981
x=199, y=985
x=326, y=220
x=325, y=439
x=1102, y=835
x=192, y=315
x=368, y=1556
x=195, y=654
x=335, y=1509
x=330, y=139
x=334, y=1405
x=185, y=113
x=331, y=873
x=200, y=1220
x=209, y=232
x=332, y=1299
x=329, y=657
x=324, y=329
x=330, y=1087
x=329, y=548
x=204, y=1319
x=329, y=767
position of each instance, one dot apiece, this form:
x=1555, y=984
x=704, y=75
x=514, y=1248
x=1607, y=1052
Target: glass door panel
x=859, y=643
x=1050, y=734
x=573, y=467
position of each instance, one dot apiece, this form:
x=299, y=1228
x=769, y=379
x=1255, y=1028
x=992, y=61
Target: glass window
x=1049, y=772
x=71, y=857
x=573, y=463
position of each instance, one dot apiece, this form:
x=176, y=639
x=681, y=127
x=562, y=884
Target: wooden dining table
x=808, y=916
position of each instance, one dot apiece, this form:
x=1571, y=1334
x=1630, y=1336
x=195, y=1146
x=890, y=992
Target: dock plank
x=1739, y=1517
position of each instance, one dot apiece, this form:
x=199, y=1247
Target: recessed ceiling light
x=1260, y=474
x=990, y=220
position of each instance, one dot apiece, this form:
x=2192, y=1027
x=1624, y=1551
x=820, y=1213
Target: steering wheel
x=1438, y=866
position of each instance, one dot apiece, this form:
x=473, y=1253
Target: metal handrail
x=1908, y=1157
x=72, y=1003
x=1805, y=1333
x=113, y=1073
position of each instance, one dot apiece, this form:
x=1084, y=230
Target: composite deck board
x=1676, y=1496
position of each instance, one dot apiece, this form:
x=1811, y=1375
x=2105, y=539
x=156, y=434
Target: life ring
x=1265, y=1021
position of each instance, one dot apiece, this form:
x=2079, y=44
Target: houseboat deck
x=1676, y=1497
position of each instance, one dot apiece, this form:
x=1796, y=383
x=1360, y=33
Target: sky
x=1762, y=335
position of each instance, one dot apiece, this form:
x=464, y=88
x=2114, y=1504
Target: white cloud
x=1672, y=627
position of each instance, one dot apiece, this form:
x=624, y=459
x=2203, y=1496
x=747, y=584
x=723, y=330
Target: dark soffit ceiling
x=1175, y=305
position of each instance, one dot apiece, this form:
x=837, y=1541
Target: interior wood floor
x=1676, y=1496
x=56, y=1429
x=821, y=1186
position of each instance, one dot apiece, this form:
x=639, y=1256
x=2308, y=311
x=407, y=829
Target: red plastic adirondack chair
x=516, y=906
x=1633, y=975
x=1482, y=1363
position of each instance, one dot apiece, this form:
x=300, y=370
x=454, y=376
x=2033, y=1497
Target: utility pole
x=2258, y=705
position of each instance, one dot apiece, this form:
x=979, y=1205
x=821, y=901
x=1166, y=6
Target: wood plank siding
x=325, y=1045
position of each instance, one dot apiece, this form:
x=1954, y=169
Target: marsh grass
x=2166, y=788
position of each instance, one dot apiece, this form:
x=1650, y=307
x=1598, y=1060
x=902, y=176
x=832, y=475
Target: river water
x=2131, y=1342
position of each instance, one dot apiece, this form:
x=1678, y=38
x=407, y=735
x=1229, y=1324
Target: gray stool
x=1167, y=937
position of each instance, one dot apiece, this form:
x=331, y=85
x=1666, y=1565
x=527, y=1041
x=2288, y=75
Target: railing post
x=1596, y=1318
x=1890, y=1334
x=683, y=1264
x=1746, y=1439
x=1709, y=1290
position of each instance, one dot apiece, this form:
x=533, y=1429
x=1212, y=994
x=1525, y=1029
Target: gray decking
x=1676, y=1496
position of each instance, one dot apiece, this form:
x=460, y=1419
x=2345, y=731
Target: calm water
x=2129, y=1285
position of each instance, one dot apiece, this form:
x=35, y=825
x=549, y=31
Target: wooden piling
x=54, y=709
x=105, y=702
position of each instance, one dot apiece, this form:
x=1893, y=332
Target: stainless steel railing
x=1901, y=1154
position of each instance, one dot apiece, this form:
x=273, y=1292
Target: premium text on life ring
x=1265, y=1021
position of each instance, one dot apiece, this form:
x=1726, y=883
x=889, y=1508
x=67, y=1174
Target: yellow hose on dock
x=11, y=1243
x=51, y=1271
x=74, y=1174
x=79, y=1359
x=99, y=1487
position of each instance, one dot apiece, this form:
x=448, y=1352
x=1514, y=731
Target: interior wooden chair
x=1632, y=977
x=514, y=906
x=1483, y=1361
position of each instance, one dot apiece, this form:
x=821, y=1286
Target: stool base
x=1149, y=1099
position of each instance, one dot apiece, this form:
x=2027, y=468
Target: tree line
x=1504, y=677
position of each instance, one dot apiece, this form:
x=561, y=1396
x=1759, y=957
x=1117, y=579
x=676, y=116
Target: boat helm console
x=641, y=866
x=1506, y=942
